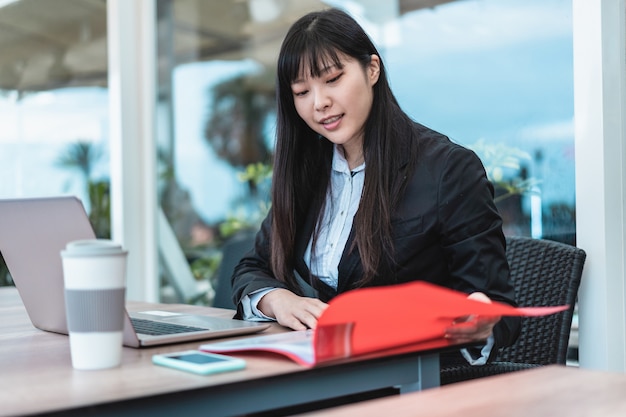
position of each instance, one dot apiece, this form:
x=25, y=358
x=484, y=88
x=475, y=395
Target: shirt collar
x=340, y=164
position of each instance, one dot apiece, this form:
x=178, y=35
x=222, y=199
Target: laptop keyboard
x=155, y=328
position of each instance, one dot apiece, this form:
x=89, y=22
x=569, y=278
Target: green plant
x=256, y=175
x=82, y=156
x=502, y=164
x=206, y=266
x=100, y=213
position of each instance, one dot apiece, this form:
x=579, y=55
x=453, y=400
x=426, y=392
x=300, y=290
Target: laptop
x=33, y=232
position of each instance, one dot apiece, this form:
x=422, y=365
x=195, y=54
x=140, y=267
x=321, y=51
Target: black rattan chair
x=544, y=273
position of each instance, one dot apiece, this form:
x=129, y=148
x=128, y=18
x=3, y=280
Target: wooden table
x=36, y=376
x=549, y=391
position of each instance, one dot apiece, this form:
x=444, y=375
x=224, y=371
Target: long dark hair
x=302, y=160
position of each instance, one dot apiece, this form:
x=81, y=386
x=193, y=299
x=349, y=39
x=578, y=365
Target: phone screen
x=198, y=358
x=199, y=362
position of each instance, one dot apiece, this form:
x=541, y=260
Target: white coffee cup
x=94, y=273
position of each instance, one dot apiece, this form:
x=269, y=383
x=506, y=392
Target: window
x=497, y=77
x=53, y=104
x=494, y=75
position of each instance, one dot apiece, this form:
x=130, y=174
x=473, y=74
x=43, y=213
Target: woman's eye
x=299, y=93
x=335, y=78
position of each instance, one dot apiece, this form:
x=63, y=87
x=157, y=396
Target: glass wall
x=217, y=106
x=494, y=75
x=53, y=104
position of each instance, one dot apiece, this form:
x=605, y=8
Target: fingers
x=291, y=310
x=302, y=315
x=298, y=320
x=472, y=328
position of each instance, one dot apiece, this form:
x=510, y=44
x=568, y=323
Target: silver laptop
x=32, y=234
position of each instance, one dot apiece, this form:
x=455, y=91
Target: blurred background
x=493, y=75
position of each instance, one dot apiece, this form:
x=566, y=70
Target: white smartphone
x=199, y=362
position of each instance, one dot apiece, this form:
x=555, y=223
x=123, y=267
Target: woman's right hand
x=291, y=310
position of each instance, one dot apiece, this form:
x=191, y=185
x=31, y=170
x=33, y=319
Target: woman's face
x=337, y=103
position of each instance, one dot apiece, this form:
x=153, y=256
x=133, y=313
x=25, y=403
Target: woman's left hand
x=472, y=328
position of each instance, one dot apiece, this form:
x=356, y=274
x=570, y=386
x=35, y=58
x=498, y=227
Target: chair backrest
x=544, y=273
x=232, y=251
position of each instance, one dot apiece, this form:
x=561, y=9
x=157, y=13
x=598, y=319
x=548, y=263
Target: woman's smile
x=331, y=123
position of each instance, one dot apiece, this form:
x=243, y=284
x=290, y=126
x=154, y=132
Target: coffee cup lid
x=93, y=247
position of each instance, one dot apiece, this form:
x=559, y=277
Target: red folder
x=408, y=317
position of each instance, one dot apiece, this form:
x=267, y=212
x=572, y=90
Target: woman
x=364, y=196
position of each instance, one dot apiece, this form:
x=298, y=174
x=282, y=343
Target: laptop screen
x=32, y=234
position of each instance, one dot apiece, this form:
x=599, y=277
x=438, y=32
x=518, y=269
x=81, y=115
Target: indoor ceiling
x=63, y=43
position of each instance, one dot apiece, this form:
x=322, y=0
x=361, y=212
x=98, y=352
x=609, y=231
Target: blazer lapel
x=349, y=267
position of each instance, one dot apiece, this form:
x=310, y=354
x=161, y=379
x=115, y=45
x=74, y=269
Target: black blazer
x=446, y=231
